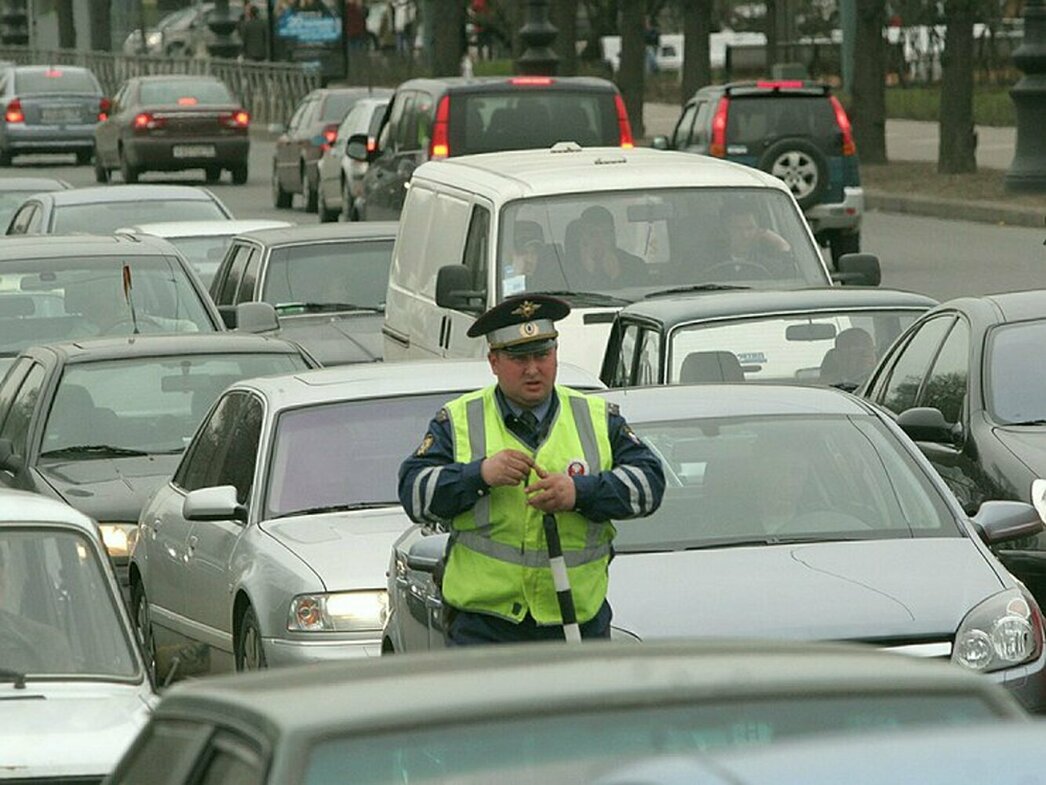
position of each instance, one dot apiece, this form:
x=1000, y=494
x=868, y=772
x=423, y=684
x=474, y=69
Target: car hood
x=334, y=339
x=68, y=729
x=881, y=589
x=347, y=550
x=1028, y=445
x=583, y=335
x=109, y=489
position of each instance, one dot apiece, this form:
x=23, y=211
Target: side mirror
x=426, y=554
x=228, y=314
x=926, y=424
x=454, y=290
x=1002, y=521
x=277, y=128
x=858, y=269
x=213, y=504
x=9, y=460
x=356, y=148
x=255, y=317
x=660, y=143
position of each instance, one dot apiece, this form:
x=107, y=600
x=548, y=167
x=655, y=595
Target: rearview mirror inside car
x=858, y=269
x=454, y=290
x=812, y=331
x=1003, y=521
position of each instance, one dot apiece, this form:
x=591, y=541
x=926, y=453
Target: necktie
x=530, y=422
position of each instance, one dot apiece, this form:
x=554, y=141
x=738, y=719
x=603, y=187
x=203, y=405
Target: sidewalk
x=911, y=140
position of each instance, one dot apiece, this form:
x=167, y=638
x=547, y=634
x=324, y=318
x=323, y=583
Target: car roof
x=26, y=507
x=701, y=401
x=367, y=92
x=173, y=344
x=130, y=193
x=481, y=84
x=296, y=233
x=217, y=226
x=693, y=306
x=52, y=67
x=380, y=380
x=568, y=168
x=1018, y=306
x=34, y=184
x=57, y=246
x=176, y=77
x=485, y=682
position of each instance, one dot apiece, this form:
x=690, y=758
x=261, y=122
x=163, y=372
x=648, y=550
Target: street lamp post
x=1028, y=170
x=222, y=23
x=537, y=35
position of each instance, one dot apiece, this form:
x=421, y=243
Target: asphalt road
x=940, y=258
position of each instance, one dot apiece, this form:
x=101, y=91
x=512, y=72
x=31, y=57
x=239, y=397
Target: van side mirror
x=356, y=148
x=256, y=317
x=858, y=269
x=660, y=143
x=926, y=424
x=9, y=460
x=1003, y=521
x=454, y=290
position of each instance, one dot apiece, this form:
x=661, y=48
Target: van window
x=399, y=121
x=445, y=246
x=476, y=247
x=410, y=250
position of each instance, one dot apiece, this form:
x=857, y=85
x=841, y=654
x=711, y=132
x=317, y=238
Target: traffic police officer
x=494, y=461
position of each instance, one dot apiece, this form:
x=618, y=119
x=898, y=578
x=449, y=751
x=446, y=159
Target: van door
x=477, y=259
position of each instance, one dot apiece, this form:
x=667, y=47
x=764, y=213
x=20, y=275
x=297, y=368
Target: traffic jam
x=479, y=366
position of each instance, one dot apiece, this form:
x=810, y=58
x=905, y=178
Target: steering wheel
x=754, y=269
x=131, y=322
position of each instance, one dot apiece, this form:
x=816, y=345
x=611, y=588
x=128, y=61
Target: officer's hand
x=552, y=492
x=508, y=467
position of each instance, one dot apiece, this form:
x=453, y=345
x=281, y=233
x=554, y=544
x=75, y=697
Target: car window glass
x=35, y=219
x=1010, y=354
x=106, y=217
x=204, y=460
x=751, y=120
x=912, y=364
x=30, y=81
x=165, y=753
x=232, y=278
x=647, y=371
x=186, y=92
x=241, y=452
x=423, y=121
x=406, y=126
x=477, y=248
x=20, y=223
x=245, y=292
x=681, y=135
x=392, y=128
x=296, y=118
x=305, y=277
x=699, y=134
x=946, y=386
x=375, y=119
x=11, y=382
x=336, y=105
x=16, y=424
x=352, y=122
x=230, y=762
x=626, y=355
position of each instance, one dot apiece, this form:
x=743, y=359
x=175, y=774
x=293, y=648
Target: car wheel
x=309, y=197
x=143, y=626
x=212, y=173
x=239, y=174
x=801, y=166
x=83, y=157
x=842, y=242
x=326, y=214
x=250, y=656
x=280, y=198
x=129, y=173
x=101, y=173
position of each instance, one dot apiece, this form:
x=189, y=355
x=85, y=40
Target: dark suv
x=795, y=130
x=437, y=118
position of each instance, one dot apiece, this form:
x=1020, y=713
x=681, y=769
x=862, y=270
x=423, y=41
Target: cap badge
x=528, y=329
x=527, y=309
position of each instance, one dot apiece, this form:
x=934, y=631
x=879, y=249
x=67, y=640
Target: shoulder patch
x=426, y=443
x=442, y=416
x=613, y=410
x=628, y=432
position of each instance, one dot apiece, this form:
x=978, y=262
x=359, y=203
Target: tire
x=326, y=215
x=83, y=157
x=212, y=174
x=101, y=173
x=309, y=196
x=143, y=626
x=239, y=174
x=250, y=656
x=280, y=198
x=129, y=173
x=842, y=242
x=801, y=166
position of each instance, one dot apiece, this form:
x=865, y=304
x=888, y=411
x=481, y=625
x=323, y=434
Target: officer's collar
x=509, y=408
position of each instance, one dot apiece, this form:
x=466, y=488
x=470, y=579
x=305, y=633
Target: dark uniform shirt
x=601, y=496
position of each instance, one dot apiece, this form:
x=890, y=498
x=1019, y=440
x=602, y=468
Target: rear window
x=336, y=107
x=185, y=91
x=521, y=119
x=107, y=217
x=752, y=119
x=56, y=80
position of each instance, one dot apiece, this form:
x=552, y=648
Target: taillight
x=13, y=113
x=534, y=81
x=718, y=145
x=623, y=126
x=849, y=148
x=104, y=107
x=782, y=85
x=330, y=133
x=146, y=121
x=241, y=118
x=439, y=147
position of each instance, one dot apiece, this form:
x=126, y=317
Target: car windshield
x=145, y=404
x=335, y=273
x=107, y=217
x=337, y=105
x=184, y=92
x=1010, y=348
x=629, y=243
x=47, y=300
x=203, y=253
x=581, y=746
x=317, y=460
x=752, y=480
x=837, y=348
x=55, y=80
x=58, y=613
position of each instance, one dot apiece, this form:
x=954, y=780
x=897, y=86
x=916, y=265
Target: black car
x=327, y=284
x=438, y=118
x=100, y=424
x=172, y=123
x=964, y=383
x=795, y=130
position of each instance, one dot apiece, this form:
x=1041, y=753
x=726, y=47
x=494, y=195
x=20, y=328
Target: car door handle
x=192, y=542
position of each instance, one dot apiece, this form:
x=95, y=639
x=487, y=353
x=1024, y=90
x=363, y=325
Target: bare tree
x=66, y=27
x=697, y=57
x=101, y=38
x=630, y=74
x=868, y=108
x=564, y=19
x=958, y=141
x=448, y=34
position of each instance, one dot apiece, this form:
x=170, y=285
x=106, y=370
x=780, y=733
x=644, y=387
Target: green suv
x=795, y=130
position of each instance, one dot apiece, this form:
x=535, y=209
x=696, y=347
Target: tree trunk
x=564, y=19
x=958, y=141
x=101, y=22
x=633, y=59
x=772, y=24
x=447, y=34
x=868, y=107
x=66, y=26
x=697, y=57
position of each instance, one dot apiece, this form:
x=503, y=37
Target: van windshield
x=630, y=243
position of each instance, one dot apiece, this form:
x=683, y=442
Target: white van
x=600, y=227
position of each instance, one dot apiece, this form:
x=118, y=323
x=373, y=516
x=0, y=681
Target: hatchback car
x=326, y=283
x=433, y=119
x=49, y=109
x=309, y=133
x=340, y=177
x=541, y=713
x=828, y=336
x=73, y=686
x=173, y=123
x=794, y=130
x=14, y=190
x=962, y=384
x=100, y=210
x=101, y=423
x=782, y=505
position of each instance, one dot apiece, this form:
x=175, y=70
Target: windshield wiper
x=329, y=307
x=345, y=507
x=591, y=298
x=698, y=287
x=1028, y=422
x=93, y=449
x=771, y=539
x=6, y=674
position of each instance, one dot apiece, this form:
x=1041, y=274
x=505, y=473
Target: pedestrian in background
x=254, y=33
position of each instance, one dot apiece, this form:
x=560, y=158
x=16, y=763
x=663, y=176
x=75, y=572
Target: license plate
x=193, y=151
x=55, y=116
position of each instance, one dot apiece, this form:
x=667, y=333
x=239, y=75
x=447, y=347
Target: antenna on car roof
x=129, y=297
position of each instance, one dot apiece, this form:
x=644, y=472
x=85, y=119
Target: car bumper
x=49, y=139
x=1027, y=684
x=281, y=651
x=159, y=153
x=846, y=214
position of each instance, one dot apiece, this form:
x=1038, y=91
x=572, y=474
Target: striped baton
x=571, y=630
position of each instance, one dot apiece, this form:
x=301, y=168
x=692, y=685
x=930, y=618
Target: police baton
x=560, y=579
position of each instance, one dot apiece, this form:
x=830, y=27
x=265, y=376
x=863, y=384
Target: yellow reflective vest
x=498, y=562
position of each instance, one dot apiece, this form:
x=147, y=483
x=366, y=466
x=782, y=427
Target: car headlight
x=154, y=39
x=350, y=611
x=1002, y=632
x=119, y=538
